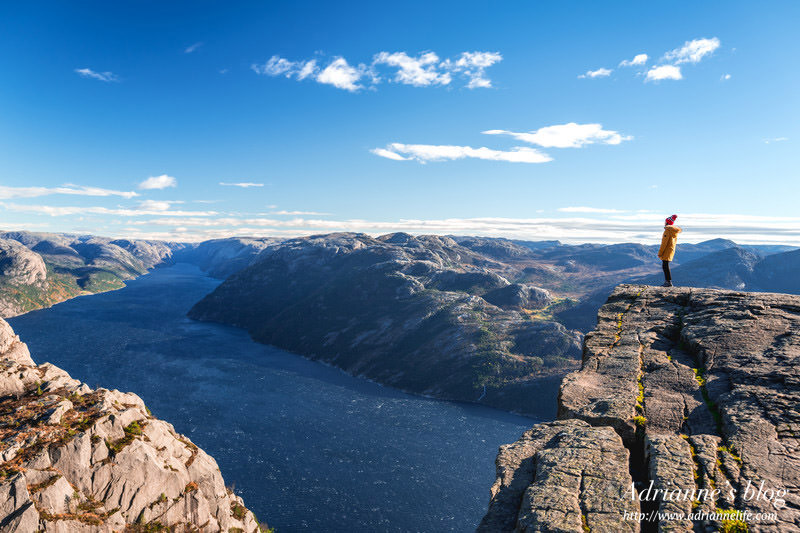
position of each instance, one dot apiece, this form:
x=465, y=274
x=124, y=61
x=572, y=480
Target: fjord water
x=307, y=446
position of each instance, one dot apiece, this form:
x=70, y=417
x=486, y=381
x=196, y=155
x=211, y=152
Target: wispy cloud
x=242, y=184
x=692, y=51
x=571, y=135
x=341, y=75
x=668, y=67
x=158, y=205
x=102, y=76
x=725, y=77
x=423, y=70
x=76, y=190
x=588, y=210
x=599, y=73
x=146, y=208
x=158, y=182
x=594, y=227
x=277, y=66
x=338, y=71
x=775, y=140
x=298, y=213
x=192, y=48
x=420, y=71
x=388, y=154
x=430, y=152
x=664, y=72
x=638, y=60
x=473, y=66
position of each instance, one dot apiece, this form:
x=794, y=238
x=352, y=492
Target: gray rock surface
x=702, y=388
x=20, y=265
x=77, y=459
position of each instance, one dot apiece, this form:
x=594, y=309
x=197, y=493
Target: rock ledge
x=74, y=459
x=680, y=389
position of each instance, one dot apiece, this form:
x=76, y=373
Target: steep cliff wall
x=684, y=389
x=77, y=459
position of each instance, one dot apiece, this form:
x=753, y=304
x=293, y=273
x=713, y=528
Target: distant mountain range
x=41, y=269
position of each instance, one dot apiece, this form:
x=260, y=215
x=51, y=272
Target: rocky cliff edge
x=680, y=389
x=74, y=459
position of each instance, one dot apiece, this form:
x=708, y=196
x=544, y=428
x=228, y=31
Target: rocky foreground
x=680, y=389
x=74, y=459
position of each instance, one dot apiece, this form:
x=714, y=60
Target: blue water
x=307, y=446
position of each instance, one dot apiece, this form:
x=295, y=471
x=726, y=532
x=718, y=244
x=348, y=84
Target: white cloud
x=102, y=76
x=599, y=73
x=473, y=65
x=725, y=77
x=423, y=70
x=192, y=48
x=341, y=75
x=144, y=209
x=76, y=190
x=431, y=152
x=242, y=184
x=383, y=152
x=692, y=51
x=602, y=228
x=668, y=67
x=298, y=213
x=588, y=210
x=307, y=69
x=664, y=72
x=338, y=72
x=277, y=66
x=776, y=140
x=571, y=135
x=638, y=60
x=420, y=71
x=157, y=205
x=158, y=182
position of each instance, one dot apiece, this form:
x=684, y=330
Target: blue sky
x=371, y=116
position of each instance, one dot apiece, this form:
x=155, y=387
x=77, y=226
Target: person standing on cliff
x=668, y=243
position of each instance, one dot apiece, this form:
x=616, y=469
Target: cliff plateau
x=679, y=388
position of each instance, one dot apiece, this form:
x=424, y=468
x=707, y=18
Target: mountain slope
x=59, y=267
x=406, y=311
x=222, y=257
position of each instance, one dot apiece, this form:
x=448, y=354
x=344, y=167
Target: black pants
x=667, y=274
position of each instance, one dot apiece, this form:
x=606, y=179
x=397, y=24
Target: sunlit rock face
x=77, y=459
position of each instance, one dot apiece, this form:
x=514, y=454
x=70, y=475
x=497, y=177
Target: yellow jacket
x=668, y=243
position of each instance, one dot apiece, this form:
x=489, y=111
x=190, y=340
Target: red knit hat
x=670, y=220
